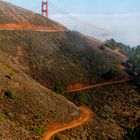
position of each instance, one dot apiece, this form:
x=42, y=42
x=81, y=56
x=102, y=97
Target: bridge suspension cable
x=73, y=22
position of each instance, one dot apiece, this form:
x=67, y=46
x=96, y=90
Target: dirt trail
x=75, y=88
x=28, y=26
x=56, y=128
x=86, y=113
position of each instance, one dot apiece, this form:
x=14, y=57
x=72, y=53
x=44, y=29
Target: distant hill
x=124, y=49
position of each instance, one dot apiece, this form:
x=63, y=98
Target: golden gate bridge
x=49, y=10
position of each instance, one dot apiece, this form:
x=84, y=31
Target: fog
x=122, y=27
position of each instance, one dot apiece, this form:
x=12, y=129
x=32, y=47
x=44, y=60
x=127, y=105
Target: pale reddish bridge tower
x=45, y=8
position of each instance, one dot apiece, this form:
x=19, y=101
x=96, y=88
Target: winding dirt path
x=56, y=128
x=86, y=113
x=28, y=26
x=74, y=88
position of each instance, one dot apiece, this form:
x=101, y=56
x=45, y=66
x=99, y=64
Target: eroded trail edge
x=56, y=128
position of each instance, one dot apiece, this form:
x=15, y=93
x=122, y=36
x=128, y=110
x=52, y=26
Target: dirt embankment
x=28, y=26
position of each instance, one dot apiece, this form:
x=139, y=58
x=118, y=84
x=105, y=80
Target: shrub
x=10, y=94
x=9, y=115
x=90, y=137
x=83, y=98
x=60, y=88
x=114, y=72
x=60, y=137
x=37, y=130
x=133, y=134
x=56, y=138
x=102, y=47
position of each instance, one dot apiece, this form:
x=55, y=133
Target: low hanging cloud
x=122, y=27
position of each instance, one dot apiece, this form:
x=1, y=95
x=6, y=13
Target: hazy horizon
x=123, y=27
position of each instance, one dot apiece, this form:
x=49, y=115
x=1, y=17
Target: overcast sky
x=119, y=19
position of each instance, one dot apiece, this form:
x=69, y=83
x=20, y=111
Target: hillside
x=12, y=14
x=51, y=57
x=116, y=109
x=59, y=56
x=31, y=61
x=27, y=108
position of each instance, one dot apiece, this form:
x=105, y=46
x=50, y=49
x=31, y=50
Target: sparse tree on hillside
x=124, y=49
x=135, y=59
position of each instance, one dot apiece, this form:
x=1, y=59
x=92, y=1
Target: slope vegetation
x=117, y=112
x=30, y=61
x=27, y=108
x=51, y=57
x=60, y=56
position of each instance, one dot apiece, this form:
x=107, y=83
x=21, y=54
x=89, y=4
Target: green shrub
x=37, y=130
x=83, y=98
x=90, y=137
x=10, y=94
x=9, y=115
x=56, y=138
x=114, y=72
x=60, y=88
x=133, y=134
x=60, y=137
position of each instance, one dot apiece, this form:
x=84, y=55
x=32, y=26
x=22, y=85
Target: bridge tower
x=45, y=8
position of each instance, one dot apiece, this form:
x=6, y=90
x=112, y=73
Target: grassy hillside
x=30, y=61
x=12, y=14
x=58, y=56
x=117, y=113
x=27, y=108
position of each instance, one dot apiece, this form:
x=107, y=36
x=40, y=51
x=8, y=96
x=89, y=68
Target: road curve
x=98, y=85
x=56, y=128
